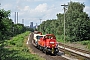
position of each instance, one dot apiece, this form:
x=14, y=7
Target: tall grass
x=15, y=49
x=87, y=43
x=60, y=38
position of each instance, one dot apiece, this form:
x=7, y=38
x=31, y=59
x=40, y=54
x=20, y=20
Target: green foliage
x=15, y=49
x=87, y=43
x=3, y=16
x=74, y=18
x=77, y=24
x=8, y=28
x=60, y=38
x=88, y=46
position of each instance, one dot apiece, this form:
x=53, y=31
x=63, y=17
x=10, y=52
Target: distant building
x=36, y=26
x=31, y=24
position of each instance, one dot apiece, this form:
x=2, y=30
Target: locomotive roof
x=52, y=35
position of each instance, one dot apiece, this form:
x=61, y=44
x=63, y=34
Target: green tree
x=7, y=26
x=77, y=23
x=3, y=16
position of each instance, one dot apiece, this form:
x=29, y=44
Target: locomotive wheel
x=40, y=48
x=45, y=50
x=55, y=54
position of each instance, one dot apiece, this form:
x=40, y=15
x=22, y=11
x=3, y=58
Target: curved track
x=40, y=53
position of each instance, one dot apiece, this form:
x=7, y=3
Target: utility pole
x=64, y=20
x=40, y=25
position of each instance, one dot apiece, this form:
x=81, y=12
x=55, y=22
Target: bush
x=85, y=42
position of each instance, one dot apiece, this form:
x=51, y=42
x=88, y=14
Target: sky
x=34, y=10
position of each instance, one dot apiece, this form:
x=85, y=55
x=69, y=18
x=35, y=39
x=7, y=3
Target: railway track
x=60, y=56
x=75, y=51
x=40, y=53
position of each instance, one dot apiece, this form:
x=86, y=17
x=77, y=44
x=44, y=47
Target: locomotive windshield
x=38, y=37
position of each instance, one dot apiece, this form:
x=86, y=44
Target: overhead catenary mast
x=64, y=20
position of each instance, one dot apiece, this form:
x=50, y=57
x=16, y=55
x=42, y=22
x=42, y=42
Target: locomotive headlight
x=51, y=42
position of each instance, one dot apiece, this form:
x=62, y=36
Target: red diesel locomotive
x=48, y=44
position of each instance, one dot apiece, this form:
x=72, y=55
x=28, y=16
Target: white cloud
x=6, y=6
x=33, y=10
x=87, y=10
x=41, y=7
x=41, y=11
x=78, y=0
x=37, y=11
x=38, y=0
x=26, y=8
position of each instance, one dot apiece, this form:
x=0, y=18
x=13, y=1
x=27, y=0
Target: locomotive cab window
x=38, y=37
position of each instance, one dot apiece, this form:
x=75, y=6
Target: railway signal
x=64, y=20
